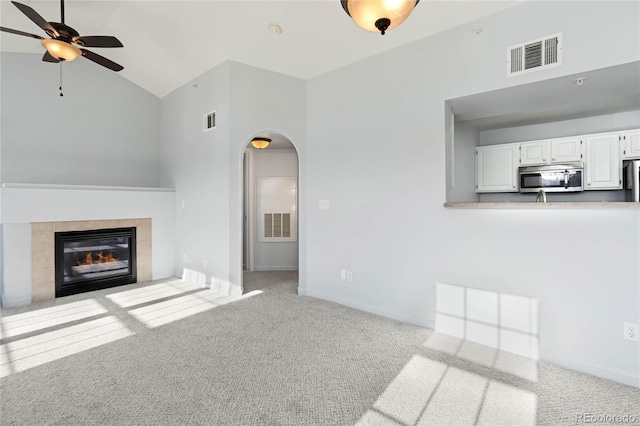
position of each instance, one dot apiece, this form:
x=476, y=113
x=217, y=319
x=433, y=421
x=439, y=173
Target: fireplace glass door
x=90, y=260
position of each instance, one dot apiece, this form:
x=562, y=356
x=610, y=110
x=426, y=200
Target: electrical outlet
x=205, y=264
x=631, y=331
x=343, y=274
x=349, y=276
x=185, y=258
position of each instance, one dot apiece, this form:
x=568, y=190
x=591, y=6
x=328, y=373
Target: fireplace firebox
x=93, y=260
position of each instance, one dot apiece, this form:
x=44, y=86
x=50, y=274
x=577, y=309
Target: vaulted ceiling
x=168, y=43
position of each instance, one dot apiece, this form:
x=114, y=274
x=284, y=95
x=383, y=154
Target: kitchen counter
x=550, y=205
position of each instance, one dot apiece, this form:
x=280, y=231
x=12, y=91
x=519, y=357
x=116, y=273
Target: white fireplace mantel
x=21, y=205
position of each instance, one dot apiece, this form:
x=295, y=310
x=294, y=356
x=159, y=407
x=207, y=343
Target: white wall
x=264, y=101
x=16, y=264
x=273, y=256
x=103, y=131
x=580, y=126
x=22, y=206
x=206, y=168
x=387, y=222
x=196, y=164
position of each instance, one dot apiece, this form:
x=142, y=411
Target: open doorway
x=270, y=215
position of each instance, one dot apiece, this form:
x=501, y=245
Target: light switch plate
x=324, y=204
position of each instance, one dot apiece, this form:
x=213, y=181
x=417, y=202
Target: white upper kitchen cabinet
x=497, y=168
x=535, y=152
x=603, y=165
x=565, y=150
x=631, y=145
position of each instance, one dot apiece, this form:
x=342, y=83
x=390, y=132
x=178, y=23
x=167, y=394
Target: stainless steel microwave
x=566, y=177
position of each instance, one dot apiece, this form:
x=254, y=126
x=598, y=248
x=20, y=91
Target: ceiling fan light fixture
x=61, y=50
x=260, y=143
x=378, y=15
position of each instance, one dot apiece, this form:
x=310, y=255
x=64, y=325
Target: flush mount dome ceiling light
x=378, y=15
x=260, y=143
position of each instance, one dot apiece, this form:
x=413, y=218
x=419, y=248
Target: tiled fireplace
x=43, y=263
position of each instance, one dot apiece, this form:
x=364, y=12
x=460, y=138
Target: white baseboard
x=421, y=322
x=605, y=373
x=274, y=268
x=235, y=290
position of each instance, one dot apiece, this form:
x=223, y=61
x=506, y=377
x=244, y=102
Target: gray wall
x=466, y=139
x=270, y=256
x=558, y=129
x=104, y=131
x=206, y=168
x=387, y=222
x=272, y=102
x=196, y=164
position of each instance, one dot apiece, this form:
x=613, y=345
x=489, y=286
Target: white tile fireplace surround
x=31, y=214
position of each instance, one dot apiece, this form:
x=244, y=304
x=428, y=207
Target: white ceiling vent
x=209, y=121
x=545, y=52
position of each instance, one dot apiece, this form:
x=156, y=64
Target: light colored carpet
x=168, y=353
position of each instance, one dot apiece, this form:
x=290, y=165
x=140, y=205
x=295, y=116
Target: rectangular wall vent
x=209, y=121
x=277, y=225
x=545, y=52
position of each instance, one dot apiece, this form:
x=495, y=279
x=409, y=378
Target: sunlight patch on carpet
x=15, y=325
x=508, y=405
x=428, y=392
x=405, y=398
x=179, y=308
x=126, y=299
x=487, y=356
x=38, y=350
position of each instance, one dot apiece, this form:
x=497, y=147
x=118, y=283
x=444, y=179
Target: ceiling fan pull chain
x=61, y=79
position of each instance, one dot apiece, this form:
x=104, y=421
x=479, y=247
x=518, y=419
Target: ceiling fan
x=61, y=45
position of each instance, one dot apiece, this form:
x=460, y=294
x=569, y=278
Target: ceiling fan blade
x=22, y=33
x=97, y=41
x=35, y=17
x=101, y=60
x=48, y=58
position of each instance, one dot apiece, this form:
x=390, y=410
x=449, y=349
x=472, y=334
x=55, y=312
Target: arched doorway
x=270, y=242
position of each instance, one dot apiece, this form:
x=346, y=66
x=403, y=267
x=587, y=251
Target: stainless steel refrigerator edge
x=632, y=181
